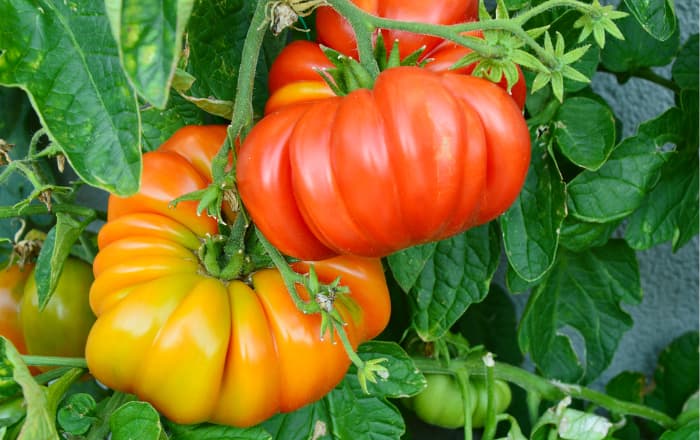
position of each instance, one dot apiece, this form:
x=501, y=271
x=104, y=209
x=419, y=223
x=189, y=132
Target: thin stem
x=490, y=425
x=467, y=401
x=647, y=74
x=338, y=327
x=54, y=361
x=364, y=25
x=36, y=209
x=291, y=278
x=550, y=390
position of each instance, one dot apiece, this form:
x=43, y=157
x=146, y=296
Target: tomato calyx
x=349, y=74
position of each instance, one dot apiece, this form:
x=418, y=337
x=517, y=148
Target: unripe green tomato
x=60, y=329
x=501, y=398
x=441, y=404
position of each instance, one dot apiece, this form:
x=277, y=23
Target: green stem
x=37, y=209
x=646, y=74
x=525, y=16
x=549, y=390
x=363, y=25
x=54, y=361
x=463, y=382
x=490, y=425
x=291, y=278
x=338, y=327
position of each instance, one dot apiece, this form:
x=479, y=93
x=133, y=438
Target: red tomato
x=12, y=280
x=333, y=31
x=419, y=158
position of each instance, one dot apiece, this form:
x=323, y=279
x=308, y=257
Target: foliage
x=86, y=88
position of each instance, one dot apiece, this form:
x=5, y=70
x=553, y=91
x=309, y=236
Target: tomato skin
x=62, y=327
x=202, y=349
x=431, y=155
x=441, y=404
x=335, y=32
x=12, y=280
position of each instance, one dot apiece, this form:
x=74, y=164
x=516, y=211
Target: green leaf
x=404, y=378
x=515, y=283
x=344, y=413
x=54, y=252
x=676, y=375
x=458, y=274
x=149, y=37
x=103, y=412
x=39, y=422
x=638, y=49
x=76, y=414
x=408, y=264
x=159, y=125
x=571, y=424
x=617, y=188
x=689, y=431
x=531, y=225
x=64, y=56
x=577, y=235
x=629, y=386
x=657, y=17
x=670, y=211
x=685, y=68
x=584, y=130
x=136, y=420
x=216, y=432
x=493, y=324
x=581, y=294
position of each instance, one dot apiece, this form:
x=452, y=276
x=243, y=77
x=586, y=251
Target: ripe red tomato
x=333, y=31
x=197, y=347
x=419, y=158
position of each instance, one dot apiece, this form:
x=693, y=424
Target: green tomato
x=60, y=329
x=441, y=404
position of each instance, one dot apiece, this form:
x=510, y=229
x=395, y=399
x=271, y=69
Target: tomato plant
x=190, y=151
x=455, y=143
x=240, y=361
x=62, y=326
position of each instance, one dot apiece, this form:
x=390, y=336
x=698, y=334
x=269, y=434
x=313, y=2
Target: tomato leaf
x=404, y=378
x=584, y=130
x=346, y=412
x=83, y=100
x=458, y=274
x=149, y=37
x=136, y=419
x=676, y=374
x=100, y=428
x=407, y=265
x=531, y=225
x=618, y=188
x=39, y=422
x=581, y=294
x=216, y=432
x=76, y=413
x=571, y=424
x=54, y=252
x=638, y=49
x=689, y=431
x=657, y=17
x=685, y=68
x=577, y=235
x=493, y=324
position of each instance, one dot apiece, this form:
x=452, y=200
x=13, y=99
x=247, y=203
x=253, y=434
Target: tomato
x=421, y=157
x=60, y=329
x=12, y=280
x=333, y=31
x=203, y=349
x=441, y=404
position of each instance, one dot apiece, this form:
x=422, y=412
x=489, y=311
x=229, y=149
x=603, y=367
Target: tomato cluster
x=423, y=155
x=441, y=403
x=197, y=347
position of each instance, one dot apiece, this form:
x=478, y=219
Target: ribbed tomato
x=420, y=157
x=197, y=347
x=12, y=280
